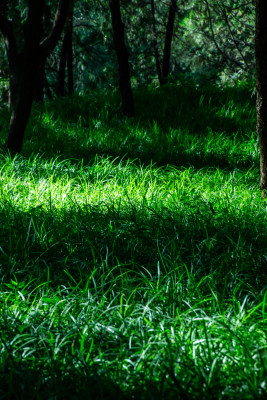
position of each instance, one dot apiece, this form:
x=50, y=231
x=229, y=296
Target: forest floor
x=133, y=252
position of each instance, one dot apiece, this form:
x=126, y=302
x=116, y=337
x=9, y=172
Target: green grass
x=133, y=252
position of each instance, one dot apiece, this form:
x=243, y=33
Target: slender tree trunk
x=122, y=57
x=168, y=42
x=261, y=88
x=70, y=52
x=41, y=77
x=66, y=59
x=62, y=68
x=29, y=70
x=155, y=44
x=70, y=63
x=47, y=89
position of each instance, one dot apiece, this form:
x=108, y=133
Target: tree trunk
x=70, y=52
x=25, y=65
x=261, y=89
x=168, y=42
x=15, y=72
x=30, y=64
x=62, y=68
x=41, y=77
x=155, y=44
x=66, y=59
x=38, y=94
x=122, y=57
x=70, y=61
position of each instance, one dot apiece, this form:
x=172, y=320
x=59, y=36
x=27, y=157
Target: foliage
x=213, y=41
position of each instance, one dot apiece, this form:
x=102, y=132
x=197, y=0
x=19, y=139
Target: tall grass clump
x=133, y=251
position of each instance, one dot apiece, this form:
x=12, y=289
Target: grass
x=133, y=252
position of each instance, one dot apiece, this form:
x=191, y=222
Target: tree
x=155, y=43
x=261, y=88
x=122, y=57
x=168, y=42
x=26, y=57
x=163, y=70
x=41, y=81
x=66, y=57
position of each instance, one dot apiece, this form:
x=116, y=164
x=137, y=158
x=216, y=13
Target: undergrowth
x=133, y=251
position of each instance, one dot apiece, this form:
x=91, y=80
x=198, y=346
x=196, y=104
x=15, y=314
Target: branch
x=49, y=43
x=232, y=35
x=225, y=56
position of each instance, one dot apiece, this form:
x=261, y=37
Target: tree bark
x=155, y=44
x=38, y=93
x=49, y=43
x=261, y=88
x=41, y=77
x=62, y=67
x=70, y=60
x=122, y=57
x=66, y=58
x=168, y=42
x=26, y=64
x=30, y=64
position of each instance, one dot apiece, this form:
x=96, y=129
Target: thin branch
x=232, y=35
x=49, y=43
x=222, y=52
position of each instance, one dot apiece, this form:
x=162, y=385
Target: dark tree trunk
x=47, y=89
x=261, y=88
x=38, y=94
x=122, y=57
x=62, y=13
x=26, y=65
x=168, y=42
x=155, y=44
x=30, y=64
x=66, y=59
x=62, y=68
x=70, y=51
x=41, y=77
x=15, y=68
x=70, y=59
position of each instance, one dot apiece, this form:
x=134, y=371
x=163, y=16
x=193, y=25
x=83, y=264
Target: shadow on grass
x=178, y=126
x=85, y=237
x=63, y=382
x=225, y=111
x=85, y=382
x=66, y=381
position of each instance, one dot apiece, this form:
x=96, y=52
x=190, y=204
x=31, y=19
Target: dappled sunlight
x=135, y=243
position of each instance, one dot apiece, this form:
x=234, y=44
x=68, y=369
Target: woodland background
x=132, y=229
